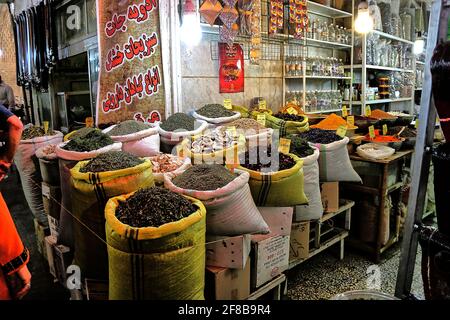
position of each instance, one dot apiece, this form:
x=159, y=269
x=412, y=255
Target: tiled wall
x=200, y=79
x=8, y=58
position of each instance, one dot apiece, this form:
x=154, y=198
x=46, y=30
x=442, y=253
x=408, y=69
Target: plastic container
x=364, y=295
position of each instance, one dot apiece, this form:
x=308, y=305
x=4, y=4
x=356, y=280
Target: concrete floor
x=319, y=278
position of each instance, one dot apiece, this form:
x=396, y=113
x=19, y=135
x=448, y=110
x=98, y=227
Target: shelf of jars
x=319, y=77
x=317, y=101
x=391, y=37
x=327, y=11
x=383, y=68
x=379, y=101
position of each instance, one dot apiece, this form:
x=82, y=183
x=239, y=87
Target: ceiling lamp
x=191, y=32
x=364, y=22
x=419, y=44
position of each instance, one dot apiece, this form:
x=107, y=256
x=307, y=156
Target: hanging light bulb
x=191, y=32
x=419, y=44
x=364, y=22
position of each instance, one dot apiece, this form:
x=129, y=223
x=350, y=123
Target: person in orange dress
x=15, y=278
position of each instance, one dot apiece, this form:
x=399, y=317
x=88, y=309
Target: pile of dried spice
x=214, y=111
x=407, y=132
x=204, y=177
x=91, y=141
x=245, y=124
x=164, y=163
x=333, y=122
x=381, y=115
x=82, y=132
x=154, y=207
x=212, y=142
x=264, y=163
x=35, y=132
x=320, y=136
x=111, y=161
x=128, y=127
x=289, y=117
x=179, y=121
x=300, y=147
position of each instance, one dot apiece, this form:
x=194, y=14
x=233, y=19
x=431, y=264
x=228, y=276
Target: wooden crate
x=228, y=252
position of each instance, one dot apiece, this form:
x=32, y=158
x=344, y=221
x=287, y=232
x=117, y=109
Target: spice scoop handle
x=400, y=132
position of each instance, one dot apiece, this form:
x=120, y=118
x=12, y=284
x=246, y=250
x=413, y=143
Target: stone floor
x=321, y=277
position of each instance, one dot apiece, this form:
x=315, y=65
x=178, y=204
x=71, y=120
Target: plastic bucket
x=50, y=171
x=441, y=162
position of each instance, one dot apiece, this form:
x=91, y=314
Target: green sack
x=279, y=189
x=90, y=193
x=164, y=263
x=286, y=128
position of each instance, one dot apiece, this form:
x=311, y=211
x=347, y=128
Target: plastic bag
x=334, y=162
x=231, y=209
x=164, y=263
x=314, y=209
x=30, y=174
x=144, y=143
x=374, y=151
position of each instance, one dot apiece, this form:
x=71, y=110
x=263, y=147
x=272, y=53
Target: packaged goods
x=277, y=188
x=90, y=192
x=334, y=161
x=230, y=208
x=170, y=258
x=314, y=209
x=29, y=171
x=137, y=138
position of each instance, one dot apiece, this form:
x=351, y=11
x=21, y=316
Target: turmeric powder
x=333, y=122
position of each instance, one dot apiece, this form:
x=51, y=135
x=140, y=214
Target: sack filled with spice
x=137, y=138
x=219, y=147
x=334, y=160
x=287, y=124
x=167, y=163
x=94, y=182
x=314, y=209
x=230, y=208
x=156, y=246
x=254, y=132
x=27, y=164
x=67, y=160
x=216, y=114
x=178, y=127
x=276, y=181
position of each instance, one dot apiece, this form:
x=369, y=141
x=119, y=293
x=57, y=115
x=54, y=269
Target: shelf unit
x=330, y=14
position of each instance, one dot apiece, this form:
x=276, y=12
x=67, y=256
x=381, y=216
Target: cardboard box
x=62, y=257
x=330, y=196
x=51, y=198
x=279, y=219
x=270, y=257
x=299, y=246
x=228, y=252
x=50, y=243
x=54, y=226
x=41, y=232
x=227, y=284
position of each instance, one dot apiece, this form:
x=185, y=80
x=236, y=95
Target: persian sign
x=131, y=75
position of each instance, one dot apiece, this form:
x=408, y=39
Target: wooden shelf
x=345, y=205
x=277, y=282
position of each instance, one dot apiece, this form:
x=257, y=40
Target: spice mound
x=212, y=142
x=407, y=132
x=82, y=132
x=204, y=177
x=263, y=162
x=215, y=111
x=179, y=121
x=289, y=117
x=154, y=207
x=245, y=124
x=381, y=115
x=128, y=127
x=34, y=132
x=320, y=136
x=93, y=140
x=49, y=150
x=300, y=147
x=165, y=163
x=111, y=161
x=333, y=122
